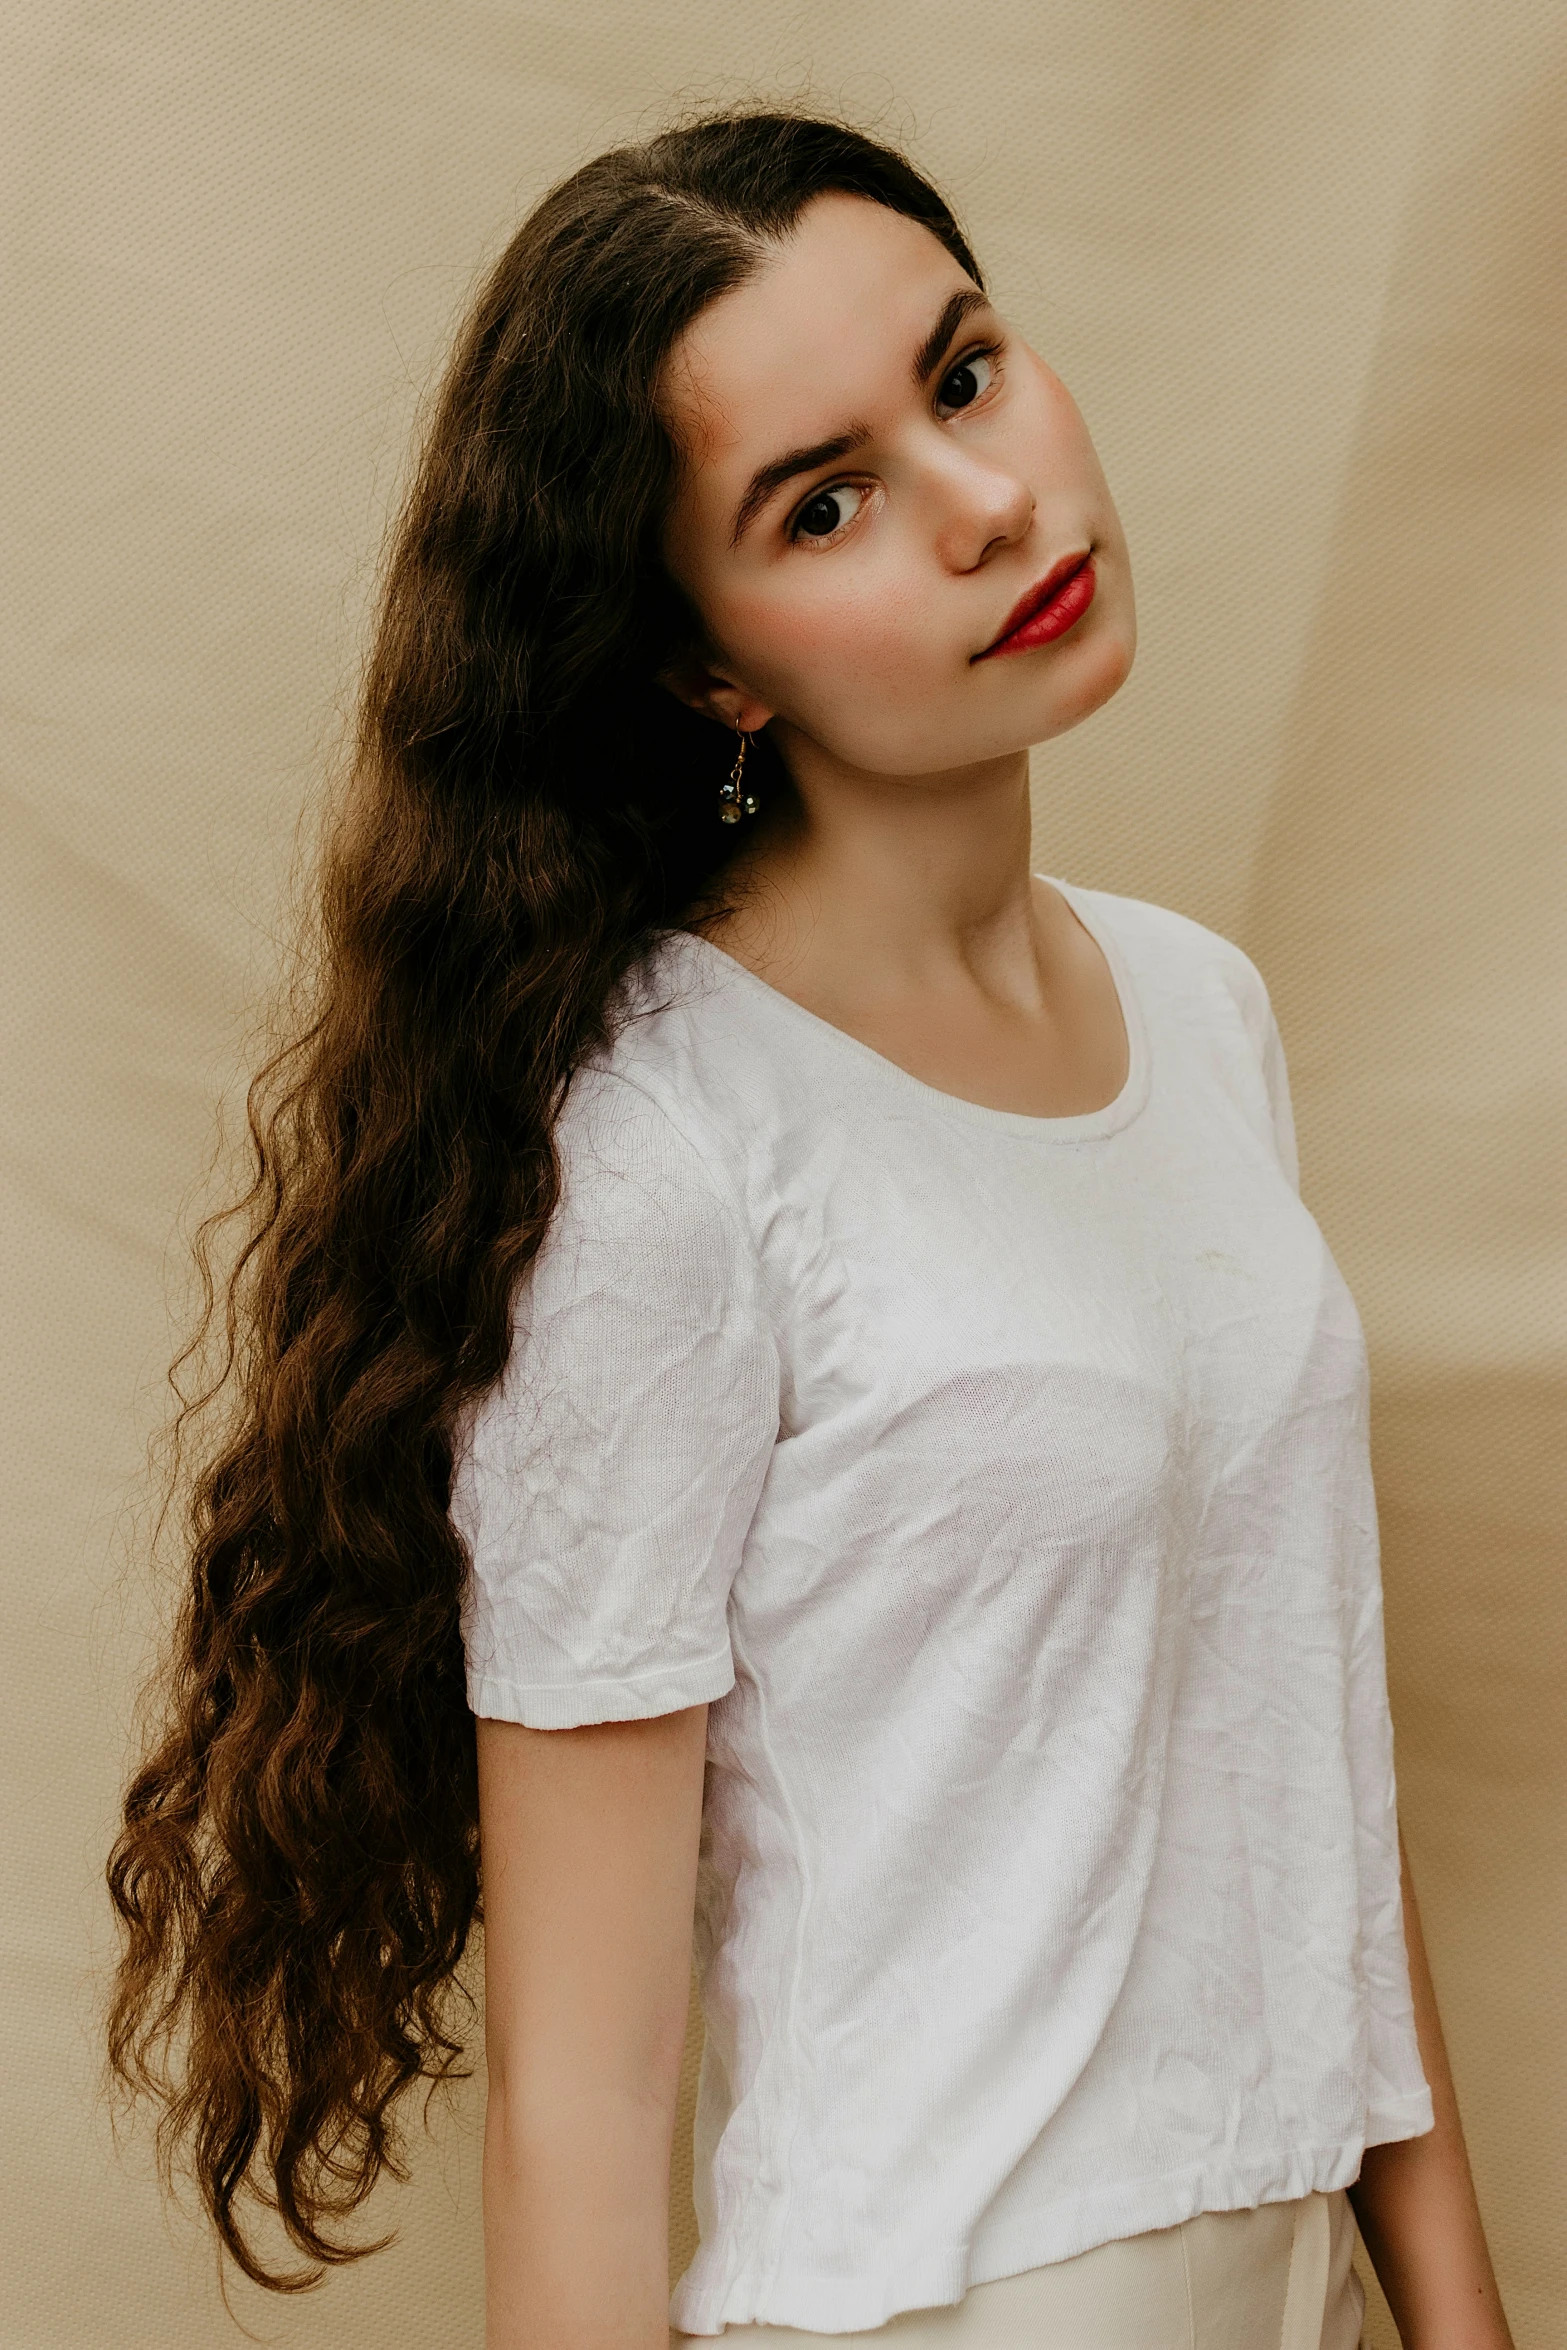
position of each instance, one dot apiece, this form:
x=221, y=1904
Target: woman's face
x=878, y=474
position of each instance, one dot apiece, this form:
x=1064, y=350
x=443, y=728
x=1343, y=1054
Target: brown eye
x=820, y=517
x=962, y=385
x=827, y=511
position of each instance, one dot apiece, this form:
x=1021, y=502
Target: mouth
x=1052, y=606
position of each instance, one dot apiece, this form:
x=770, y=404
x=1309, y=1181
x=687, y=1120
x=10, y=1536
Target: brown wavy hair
x=297, y=1871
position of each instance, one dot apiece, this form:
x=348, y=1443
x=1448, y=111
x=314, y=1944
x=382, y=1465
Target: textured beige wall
x=1302, y=262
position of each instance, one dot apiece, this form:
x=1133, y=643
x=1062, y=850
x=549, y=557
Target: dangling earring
x=734, y=801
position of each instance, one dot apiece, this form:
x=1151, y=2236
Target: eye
x=827, y=511
x=962, y=385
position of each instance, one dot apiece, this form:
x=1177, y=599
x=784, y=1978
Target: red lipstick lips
x=1048, y=610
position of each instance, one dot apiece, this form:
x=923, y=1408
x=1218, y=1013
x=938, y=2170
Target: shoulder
x=1178, y=951
x=637, y=1137
x=687, y=1027
x=1213, y=990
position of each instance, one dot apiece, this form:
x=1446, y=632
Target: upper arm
x=589, y=1854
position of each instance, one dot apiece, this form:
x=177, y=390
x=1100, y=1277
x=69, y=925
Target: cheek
x=835, y=634
x=1064, y=456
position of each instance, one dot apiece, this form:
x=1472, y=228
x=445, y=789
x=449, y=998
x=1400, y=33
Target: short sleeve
x=1277, y=1077
x=1263, y=1030
x=607, y=1482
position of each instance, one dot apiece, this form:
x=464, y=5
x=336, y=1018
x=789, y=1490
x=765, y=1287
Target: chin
x=1101, y=668
x=1119, y=652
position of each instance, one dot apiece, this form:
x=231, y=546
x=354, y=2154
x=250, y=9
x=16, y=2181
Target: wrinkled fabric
x=1277, y=2277
x=1003, y=1484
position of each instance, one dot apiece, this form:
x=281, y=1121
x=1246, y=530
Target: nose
x=980, y=506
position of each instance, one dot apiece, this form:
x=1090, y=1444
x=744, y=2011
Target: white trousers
x=1277, y=2278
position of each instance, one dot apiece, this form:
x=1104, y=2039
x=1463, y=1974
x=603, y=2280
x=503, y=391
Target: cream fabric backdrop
x=1302, y=262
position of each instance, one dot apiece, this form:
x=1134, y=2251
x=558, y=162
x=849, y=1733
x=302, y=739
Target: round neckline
x=1084, y=1126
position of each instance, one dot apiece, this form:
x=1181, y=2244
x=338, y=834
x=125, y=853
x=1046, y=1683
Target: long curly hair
x=297, y=1870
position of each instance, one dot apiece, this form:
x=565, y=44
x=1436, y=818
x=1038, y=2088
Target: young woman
x=806, y=1328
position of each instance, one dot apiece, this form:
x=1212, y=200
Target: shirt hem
x=930, y=2276
x=636, y=1697
x=1400, y=2117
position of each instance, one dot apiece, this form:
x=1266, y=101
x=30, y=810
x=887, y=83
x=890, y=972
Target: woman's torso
x=1049, y=1885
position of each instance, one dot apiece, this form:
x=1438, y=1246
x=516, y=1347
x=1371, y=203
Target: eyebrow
x=930, y=352
x=768, y=479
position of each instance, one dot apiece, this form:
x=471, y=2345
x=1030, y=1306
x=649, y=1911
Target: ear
x=715, y=696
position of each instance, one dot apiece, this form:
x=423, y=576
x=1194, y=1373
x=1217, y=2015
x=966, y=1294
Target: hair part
x=297, y=1871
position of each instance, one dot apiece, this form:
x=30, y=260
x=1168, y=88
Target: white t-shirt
x=1003, y=1482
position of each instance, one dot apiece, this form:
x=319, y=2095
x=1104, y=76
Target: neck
x=893, y=882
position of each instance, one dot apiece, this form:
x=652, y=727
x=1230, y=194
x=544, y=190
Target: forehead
x=822, y=333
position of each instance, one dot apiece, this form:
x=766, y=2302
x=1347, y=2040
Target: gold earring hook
x=734, y=801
